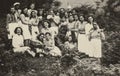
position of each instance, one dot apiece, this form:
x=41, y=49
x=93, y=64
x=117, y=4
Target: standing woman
x=96, y=35
x=34, y=22
x=82, y=38
x=88, y=27
x=25, y=26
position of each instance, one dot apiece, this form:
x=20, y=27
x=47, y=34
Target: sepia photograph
x=59, y=37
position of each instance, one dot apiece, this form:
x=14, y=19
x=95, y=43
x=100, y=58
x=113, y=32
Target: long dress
x=82, y=38
x=25, y=27
x=12, y=24
x=88, y=27
x=96, y=44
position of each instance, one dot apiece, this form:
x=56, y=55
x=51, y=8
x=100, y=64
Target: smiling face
x=19, y=31
x=46, y=24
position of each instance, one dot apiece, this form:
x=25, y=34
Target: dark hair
x=38, y=37
x=15, y=31
x=26, y=15
x=31, y=14
x=48, y=33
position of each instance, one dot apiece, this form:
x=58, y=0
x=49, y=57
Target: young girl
x=34, y=22
x=96, y=35
x=25, y=26
x=50, y=45
x=18, y=42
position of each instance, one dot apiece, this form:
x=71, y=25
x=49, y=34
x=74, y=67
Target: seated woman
x=50, y=45
x=70, y=44
x=18, y=42
x=38, y=44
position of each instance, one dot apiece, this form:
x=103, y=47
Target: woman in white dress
x=25, y=23
x=82, y=38
x=34, y=28
x=88, y=27
x=96, y=35
x=18, y=42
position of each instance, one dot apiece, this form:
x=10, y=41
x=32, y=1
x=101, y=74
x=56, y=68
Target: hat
x=16, y=3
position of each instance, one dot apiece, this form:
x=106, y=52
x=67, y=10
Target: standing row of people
x=46, y=31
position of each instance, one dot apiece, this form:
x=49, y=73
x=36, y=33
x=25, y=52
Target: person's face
x=25, y=10
x=48, y=36
x=90, y=19
x=81, y=18
x=41, y=37
x=76, y=17
x=58, y=14
x=32, y=6
x=95, y=26
x=69, y=38
x=12, y=10
x=17, y=6
x=40, y=12
x=19, y=31
x=63, y=19
x=66, y=14
x=71, y=18
x=46, y=24
x=19, y=11
x=34, y=14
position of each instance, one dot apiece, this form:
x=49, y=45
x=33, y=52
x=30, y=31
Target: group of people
x=45, y=31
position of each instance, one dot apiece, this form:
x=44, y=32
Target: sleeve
x=88, y=28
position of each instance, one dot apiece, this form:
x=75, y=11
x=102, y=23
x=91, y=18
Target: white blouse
x=17, y=41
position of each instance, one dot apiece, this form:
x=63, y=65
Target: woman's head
x=12, y=10
x=18, y=31
x=90, y=19
x=81, y=18
x=76, y=17
x=71, y=18
x=32, y=6
x=95, y=26
x=33, y=14
x=40, y=36
x=46, y=24
x=25, y=10
x=48, y=35
x=69, y=38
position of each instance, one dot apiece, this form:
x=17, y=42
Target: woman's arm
x=22, y=17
